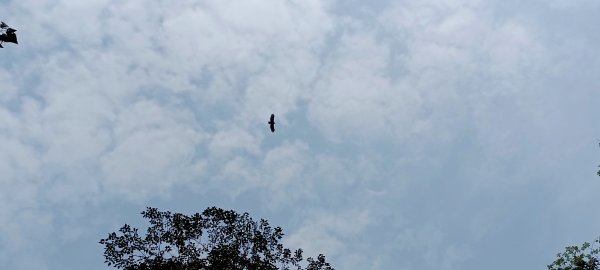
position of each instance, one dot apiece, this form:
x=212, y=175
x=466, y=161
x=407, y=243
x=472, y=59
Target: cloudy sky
x=438, y=134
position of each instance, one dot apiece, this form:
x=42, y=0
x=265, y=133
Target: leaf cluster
x=214, y=239
x=577, y=258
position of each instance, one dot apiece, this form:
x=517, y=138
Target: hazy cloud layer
x=441, y=134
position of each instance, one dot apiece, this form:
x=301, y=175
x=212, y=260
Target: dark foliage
x=576, y=258
x=215, y=239
x=7, y=34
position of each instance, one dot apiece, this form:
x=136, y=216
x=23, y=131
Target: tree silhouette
x=215, y=239
x=576, y=258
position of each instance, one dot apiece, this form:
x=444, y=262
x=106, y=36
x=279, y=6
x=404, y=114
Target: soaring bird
x=272, y=123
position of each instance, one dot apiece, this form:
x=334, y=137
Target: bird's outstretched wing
x=272, y=118
x=272, y=126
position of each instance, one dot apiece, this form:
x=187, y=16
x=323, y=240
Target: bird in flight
x=272, y=123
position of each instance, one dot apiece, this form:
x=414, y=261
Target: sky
x=435, y=134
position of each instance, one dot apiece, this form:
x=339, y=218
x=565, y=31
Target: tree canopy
x=577, y=258
x=215, y=239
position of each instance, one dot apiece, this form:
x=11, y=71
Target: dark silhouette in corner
x=212, y=240
x=272, y=123
x=8, y=34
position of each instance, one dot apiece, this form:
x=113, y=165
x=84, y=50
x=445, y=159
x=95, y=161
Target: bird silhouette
x=272, y=123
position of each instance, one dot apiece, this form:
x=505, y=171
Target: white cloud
x=326, y=232
x=225, y=143
x=153, y=149
x=413, y=73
